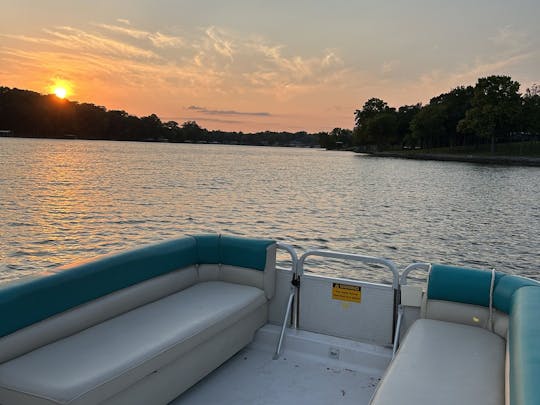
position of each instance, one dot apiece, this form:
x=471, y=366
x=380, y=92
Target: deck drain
x=333, y=353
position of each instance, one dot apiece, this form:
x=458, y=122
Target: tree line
x=30, y=114
x=491, y=112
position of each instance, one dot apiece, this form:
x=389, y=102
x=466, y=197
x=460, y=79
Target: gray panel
x=370, y=320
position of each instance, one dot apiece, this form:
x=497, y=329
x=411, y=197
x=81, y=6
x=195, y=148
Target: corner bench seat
x=137, y=327
x=83, y=368
x=478, y=342
x=445, y=363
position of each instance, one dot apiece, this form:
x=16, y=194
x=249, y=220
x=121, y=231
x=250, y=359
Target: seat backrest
x=462, y=295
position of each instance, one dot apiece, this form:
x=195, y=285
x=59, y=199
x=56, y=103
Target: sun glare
x=60, y=92
x=61, y=88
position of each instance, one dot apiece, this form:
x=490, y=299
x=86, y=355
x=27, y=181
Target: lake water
x=66, y=200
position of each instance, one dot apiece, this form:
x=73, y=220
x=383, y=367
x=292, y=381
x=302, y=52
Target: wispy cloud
x=207, y=111
x=157, y=38
x=219, y=42
x=69, y=38
x=215, y=120
x=469, y=74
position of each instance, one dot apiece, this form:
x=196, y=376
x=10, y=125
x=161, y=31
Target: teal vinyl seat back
x=472, y=286
x=232, y=251
x=26, y=303
x=458, y=284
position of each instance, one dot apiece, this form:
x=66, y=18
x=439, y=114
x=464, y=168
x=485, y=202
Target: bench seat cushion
x=445, y=363
x=92, y=365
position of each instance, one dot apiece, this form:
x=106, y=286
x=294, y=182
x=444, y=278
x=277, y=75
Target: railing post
x=292, y=302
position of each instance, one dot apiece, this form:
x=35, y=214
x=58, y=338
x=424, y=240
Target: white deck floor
x=312, y=369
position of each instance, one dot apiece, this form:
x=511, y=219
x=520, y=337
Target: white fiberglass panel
x=366, y=314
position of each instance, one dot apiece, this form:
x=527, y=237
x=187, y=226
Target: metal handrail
x=294, y=284
x=292, y=302
x=289, y=249
x=351, y=256
x=411, y=267
x=402, y=282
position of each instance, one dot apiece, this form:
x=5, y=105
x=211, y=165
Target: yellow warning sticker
x=346, y=292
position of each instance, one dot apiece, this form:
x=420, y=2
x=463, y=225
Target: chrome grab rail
x=351, y=256
x=403, y=281
x=292, y=295
x=411, y=267
x=289, y=249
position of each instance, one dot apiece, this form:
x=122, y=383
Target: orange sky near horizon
x=250, y=66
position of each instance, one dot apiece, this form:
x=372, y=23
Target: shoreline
x=496, y=160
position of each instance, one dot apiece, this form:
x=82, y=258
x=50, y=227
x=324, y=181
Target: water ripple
x=66, y=200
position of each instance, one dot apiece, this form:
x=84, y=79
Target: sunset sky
x=257, y=65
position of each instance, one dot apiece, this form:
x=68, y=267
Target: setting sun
x=60, y=92
x=60, y=87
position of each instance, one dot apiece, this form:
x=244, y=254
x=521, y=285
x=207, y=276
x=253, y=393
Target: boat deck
x=312, y=369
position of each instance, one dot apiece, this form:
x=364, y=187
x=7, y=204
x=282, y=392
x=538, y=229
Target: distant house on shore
x=6, y=132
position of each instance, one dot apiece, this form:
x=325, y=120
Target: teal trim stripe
x=457, y=284
x=524, y=346
x=244, y=252
x=505, y=288
x=27, y=303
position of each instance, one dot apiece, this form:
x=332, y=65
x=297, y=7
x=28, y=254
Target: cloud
x=156, y=38
x=469, y=74
x=253, y=64
x=216, y=120
x=70, y=38
x=204, y=110
x=297, y=66
x=219, y=42
x=123, y=21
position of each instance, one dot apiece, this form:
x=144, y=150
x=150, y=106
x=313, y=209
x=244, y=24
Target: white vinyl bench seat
x=89, y=366
x=134, y=328
x=445, y=363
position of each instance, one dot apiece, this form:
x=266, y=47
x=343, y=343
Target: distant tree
x=382, y=129
x=376, y=124
x=91, y=121
x=151, y=127
x=531, y=110
x=338, y=138
x=192, y=131
x=405, y=115
x=371, y=108
x=454, y=106
x=327, y=141
x=495, y=109
x=428, y=127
